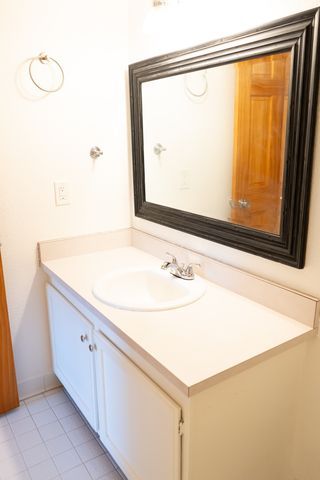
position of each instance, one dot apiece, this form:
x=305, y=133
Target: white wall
x=48, y=138
x=211, y=20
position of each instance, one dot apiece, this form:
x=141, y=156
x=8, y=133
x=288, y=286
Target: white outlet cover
x=62, y=193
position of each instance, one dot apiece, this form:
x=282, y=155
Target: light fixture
x=164, y=3
x=162, y=14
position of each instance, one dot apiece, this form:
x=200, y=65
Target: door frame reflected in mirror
x=298, y=34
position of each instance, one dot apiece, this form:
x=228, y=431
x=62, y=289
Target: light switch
x=184, y=180
x=62, y=193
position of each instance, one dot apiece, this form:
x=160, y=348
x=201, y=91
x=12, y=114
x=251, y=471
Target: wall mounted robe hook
x=95, y=152
x=158, y=149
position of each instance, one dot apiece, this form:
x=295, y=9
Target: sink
x=146, y=289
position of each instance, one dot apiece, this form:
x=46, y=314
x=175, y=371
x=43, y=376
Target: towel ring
x=204, y=89
x=43, y=58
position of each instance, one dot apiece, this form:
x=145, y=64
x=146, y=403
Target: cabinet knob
x=92, y=347
x=83, y=338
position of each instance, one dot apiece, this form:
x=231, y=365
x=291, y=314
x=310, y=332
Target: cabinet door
x=73, y=361
x=139, y=422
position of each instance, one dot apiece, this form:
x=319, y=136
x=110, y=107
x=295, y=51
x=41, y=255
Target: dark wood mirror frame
x=300, y=35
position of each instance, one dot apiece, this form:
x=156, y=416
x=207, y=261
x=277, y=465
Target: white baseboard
x=37, y=385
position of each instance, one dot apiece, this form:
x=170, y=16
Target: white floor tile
x=64, y=449
x=44, y=471
x=55, y=397
x=28, y=440
x=59, y=445
x=64, y=409
x=67, y=460
x=21, y=476
x=80, y=435
x=99, y=466
x=121, y=475
x=18, y=413
x=35, y=455
x=3, y=420
x=89, y=450
x=111, y=476
x=11, y=466
x=72, y=422
x=78, y=473
x=37, y=404
x=43, y=418
x=23, y=426
x=5, y=433
x=51, y=430
x=8, y=449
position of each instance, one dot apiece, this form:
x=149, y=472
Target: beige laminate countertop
x=194, y=344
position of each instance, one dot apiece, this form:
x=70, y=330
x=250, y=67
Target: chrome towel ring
x=44, y=58
x=199, y=91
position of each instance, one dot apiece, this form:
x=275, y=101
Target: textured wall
x=47, y=138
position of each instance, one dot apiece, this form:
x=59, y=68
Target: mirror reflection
x=214, y=141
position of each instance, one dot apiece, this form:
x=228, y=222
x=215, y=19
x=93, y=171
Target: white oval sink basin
x=146, y=289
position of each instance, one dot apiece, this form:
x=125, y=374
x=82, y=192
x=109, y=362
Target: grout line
x=44, y=442
x=20, y=452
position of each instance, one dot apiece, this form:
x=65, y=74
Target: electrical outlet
x=62, y=193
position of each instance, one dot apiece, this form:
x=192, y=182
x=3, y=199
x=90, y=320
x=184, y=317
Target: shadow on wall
x=31, y=342
x=306, y=459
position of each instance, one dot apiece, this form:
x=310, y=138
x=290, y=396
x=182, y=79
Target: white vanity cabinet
x=232, y=366
x=73, y=353
x=139, y=423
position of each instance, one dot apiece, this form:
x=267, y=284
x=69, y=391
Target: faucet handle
x=166, y=264
x=173, y=258
x=188, y=269
x=195, y=264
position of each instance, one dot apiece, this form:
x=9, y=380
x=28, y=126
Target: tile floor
x=46, y=439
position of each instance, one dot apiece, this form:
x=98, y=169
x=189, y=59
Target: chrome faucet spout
x=181, y=271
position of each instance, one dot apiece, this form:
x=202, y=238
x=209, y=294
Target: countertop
x=195, y=343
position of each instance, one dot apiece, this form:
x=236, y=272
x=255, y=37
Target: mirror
x=223, y=136
x=230, y=121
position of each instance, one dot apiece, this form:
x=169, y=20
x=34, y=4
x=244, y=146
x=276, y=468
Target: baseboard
x=37, y=385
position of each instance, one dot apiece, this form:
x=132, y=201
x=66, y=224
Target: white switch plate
x=184, y=180
x=62, y=193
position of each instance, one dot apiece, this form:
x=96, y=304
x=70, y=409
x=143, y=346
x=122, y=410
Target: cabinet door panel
x=138, y=421
x=73, y=362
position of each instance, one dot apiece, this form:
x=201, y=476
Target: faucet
x=184, y=271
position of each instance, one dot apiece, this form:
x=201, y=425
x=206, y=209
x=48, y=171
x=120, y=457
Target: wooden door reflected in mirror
x=261, y=109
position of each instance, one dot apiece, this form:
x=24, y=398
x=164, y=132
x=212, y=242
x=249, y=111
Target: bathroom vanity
x=204, y=391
